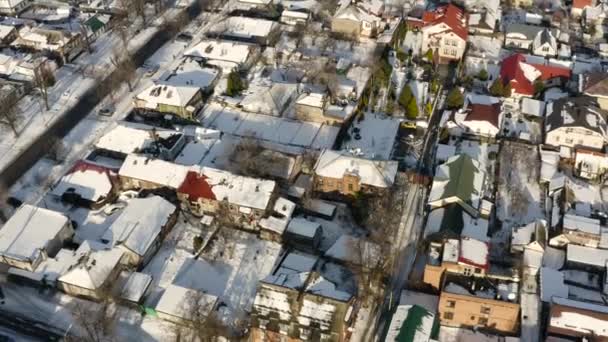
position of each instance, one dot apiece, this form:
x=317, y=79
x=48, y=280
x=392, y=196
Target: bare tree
x=121, y=27
x=94, y=323
x=43, y=80
x=201, y=322
x=125, y=67
x=251, y=159
x=10, y=114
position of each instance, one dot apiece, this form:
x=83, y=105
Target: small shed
x=303, y=234
x=136, y=287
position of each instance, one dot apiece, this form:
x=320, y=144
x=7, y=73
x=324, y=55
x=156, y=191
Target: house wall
x=481, y=128
x=346, y=27
x=515, y=40
x=582, y=238
x=347, y=185
x=134, y=183
x=574, y=137
x=460, y=310
x=545, y=50
x=602, y=102
x=452, y=200
x=433, y=274
x=96, y=294
x=446, y=45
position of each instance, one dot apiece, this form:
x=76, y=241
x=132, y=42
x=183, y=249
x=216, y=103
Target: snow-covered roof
x=474, y=252
x=302, y=227
x=131, y=138
x=29, y=231
x=168, y=94
x=244, y=27
x=316, y=100
x=587, y=255
x=218, y=52
x=96, y=264
x=182, y=302
x=190, y=73
x=221, y=185
x=581, y=224
x=5, y=30
x=532, y=107
x=91, y=182
x=136, y=286
x=293, y=272
x=139, y=224
x=326, y=288
x=269, y=99
x=584, y=319
x=378, y=173
x=156, y=171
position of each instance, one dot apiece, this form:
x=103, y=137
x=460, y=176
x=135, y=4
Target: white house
x=167, y=98
x=146, y=173
x=445, y=33
x=575, y=122
x=140, y=229
x=226, y=55
x=85, y=184
x=545, y=44
x=481, y=116
x=182, y=305
x=521, y=36
x=96, y=272
x=32, y=235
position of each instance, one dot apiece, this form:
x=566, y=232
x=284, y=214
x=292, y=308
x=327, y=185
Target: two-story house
x=521, y=75
x=340, y=172
x=575, y=122
x=355, y=22
x=167, y=98
x=445, y=33
x=521, y=36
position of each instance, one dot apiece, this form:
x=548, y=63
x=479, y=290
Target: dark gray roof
x=545, y=36
x=580, y=111
x=529, y=31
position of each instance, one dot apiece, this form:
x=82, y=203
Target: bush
x=429, y=55
x=197, y=243
x=406, y=96
x=234, y=85
x=497, y=88
x=412, y=109
x=401, y=56
x=483, y=75
x=455, y=99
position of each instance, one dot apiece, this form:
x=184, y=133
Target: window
x=545, y=49
x=477, y=270
x=485, y=310
x=451, y=304
x=448, y=315
x=467, y=272
x=350, y=187
x=483, y=321
x=568, y=141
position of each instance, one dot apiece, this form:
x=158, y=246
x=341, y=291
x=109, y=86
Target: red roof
x=581, y=3
x=511, y=72
x=196, y=186
x=451, y=15
x=483, y=112
x=83, y=165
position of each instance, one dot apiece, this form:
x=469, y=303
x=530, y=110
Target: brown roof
x=483, y=112
x=596, y=84
x=557, y=310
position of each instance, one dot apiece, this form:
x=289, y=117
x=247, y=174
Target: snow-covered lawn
x=373, y=137
x=230, y=268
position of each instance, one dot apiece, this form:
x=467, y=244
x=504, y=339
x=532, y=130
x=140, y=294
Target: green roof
x=413, y=323
x=462, y=172
x=94, y=23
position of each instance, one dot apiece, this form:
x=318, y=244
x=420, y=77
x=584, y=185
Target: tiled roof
x=484, y=112
x=196, y=186
x=451, y=15
x=512, y=72
x=581, y=3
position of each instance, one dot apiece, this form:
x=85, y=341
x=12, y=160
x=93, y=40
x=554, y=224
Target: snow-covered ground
x=373, y=137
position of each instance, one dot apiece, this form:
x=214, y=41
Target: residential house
x=272, y=228
x=185, y=306
x=575, y=123
x=96, y=25
x=577, y=320
x=190, y=73
x=8, y=34
x=596, y=85
x=580, y=230
x=141, y=172
x=593, y=259
x=32, y=235
x=479, y=302
x=445, y=33
x=483, y=16
x=226, y=55
x=591, y=165
x=312, y=107
x=128, y=138
x=249, y=30
x=521, y=36
x=140, y=229
x=578, y=6
x=269, y=98
x=95, y=273
x=533, y=235
x=136, y=288
x=64, y=44
x=460, y=180
x=12, y=7
x=166, y=98
x=354, y=22
x=86, y=184
x=294, y=17
x=213, y=191
x=303, y=234
x=342, y=173
x=466, y=256
x=298, y=299
x=545, y=44
x=522, y=75
x=480, y=116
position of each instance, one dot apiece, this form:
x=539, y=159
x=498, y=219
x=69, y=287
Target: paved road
x=86, y=103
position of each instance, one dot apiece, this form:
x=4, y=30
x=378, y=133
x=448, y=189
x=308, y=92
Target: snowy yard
x=230, y=267
x=373, y=137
